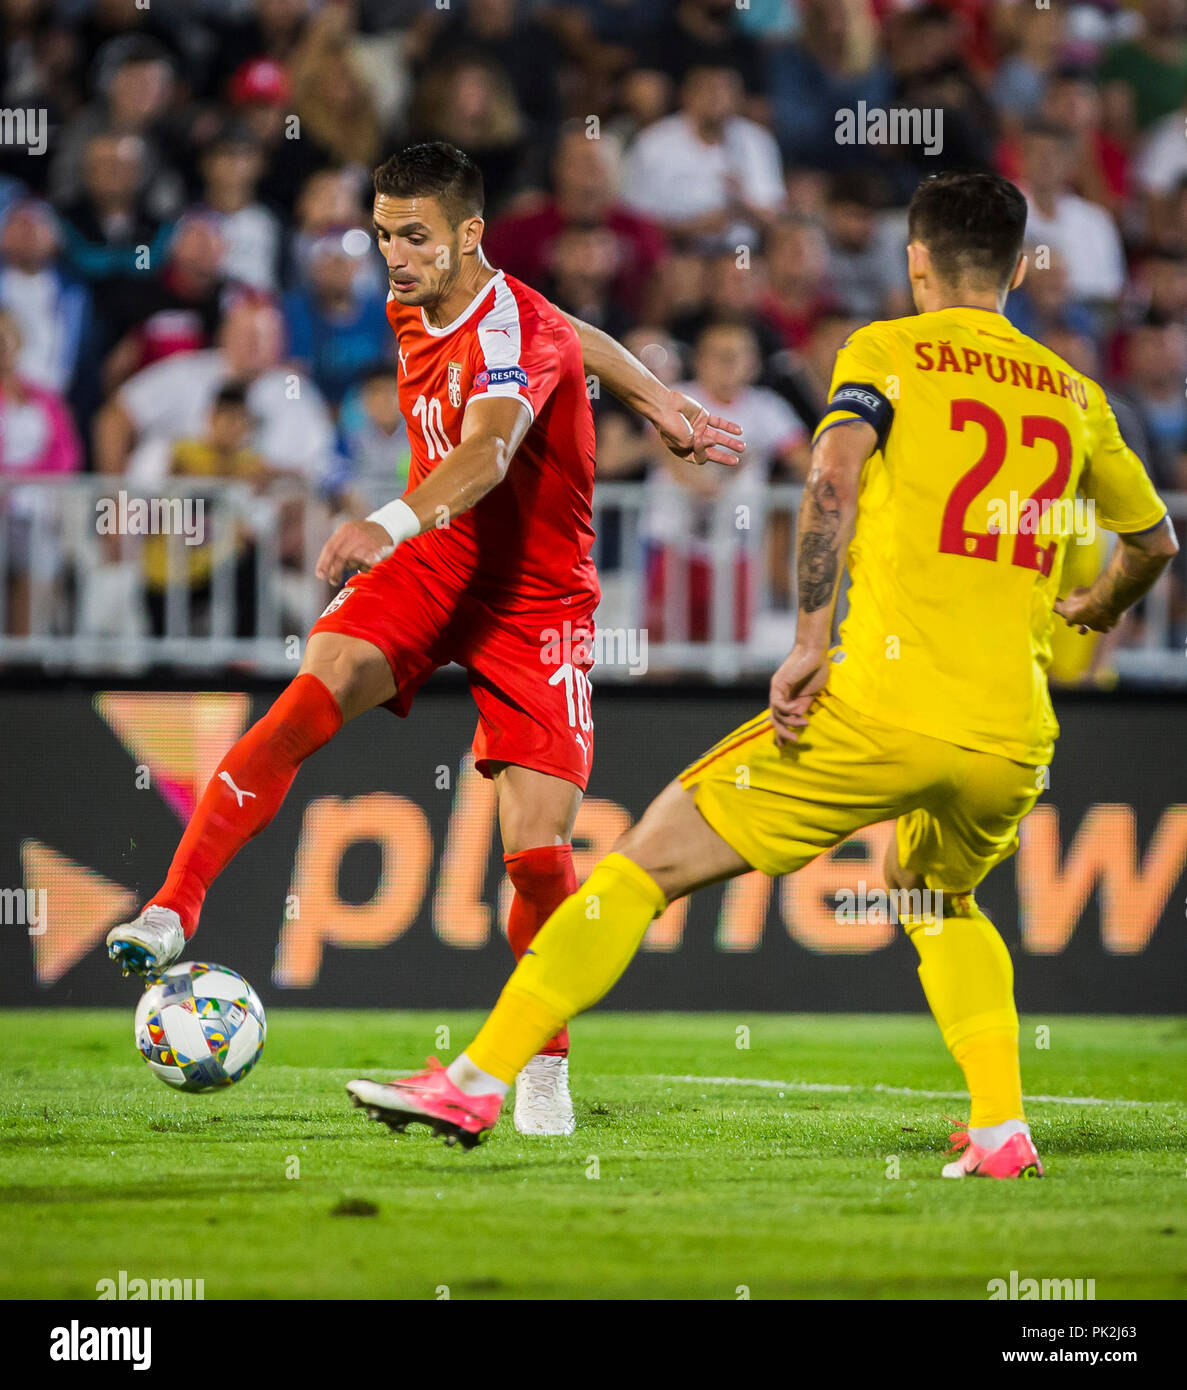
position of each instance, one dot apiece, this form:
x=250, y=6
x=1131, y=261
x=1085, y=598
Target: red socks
x=543, y=879
x=260, y=769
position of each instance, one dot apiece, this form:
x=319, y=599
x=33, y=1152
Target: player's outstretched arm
x=492, y=429
x=828, y=515
x=686, y=427
x=1136, y=562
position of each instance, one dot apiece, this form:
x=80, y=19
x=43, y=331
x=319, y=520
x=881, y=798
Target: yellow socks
x=968, y=978
x=576, y=958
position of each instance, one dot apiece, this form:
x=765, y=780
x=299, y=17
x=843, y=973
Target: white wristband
x=398, y=520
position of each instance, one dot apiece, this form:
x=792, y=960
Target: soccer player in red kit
x=483, y=561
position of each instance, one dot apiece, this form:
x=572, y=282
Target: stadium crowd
x=185, y=229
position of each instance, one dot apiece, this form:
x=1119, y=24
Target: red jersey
x=525, y=546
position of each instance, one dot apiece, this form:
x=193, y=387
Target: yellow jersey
x=993, y=456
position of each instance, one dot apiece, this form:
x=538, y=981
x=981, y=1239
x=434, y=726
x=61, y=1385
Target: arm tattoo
x=818, y=561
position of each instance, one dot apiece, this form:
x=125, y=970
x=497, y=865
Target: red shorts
x=529, y=677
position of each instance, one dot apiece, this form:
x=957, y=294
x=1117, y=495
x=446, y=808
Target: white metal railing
x=74, y=599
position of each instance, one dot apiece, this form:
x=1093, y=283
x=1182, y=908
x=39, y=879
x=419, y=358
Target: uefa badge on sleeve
x=455, y=384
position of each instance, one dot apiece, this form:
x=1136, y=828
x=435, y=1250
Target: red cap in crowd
x=260, y=81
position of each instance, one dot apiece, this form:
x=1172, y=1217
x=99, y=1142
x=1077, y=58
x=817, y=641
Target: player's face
x=423, y=252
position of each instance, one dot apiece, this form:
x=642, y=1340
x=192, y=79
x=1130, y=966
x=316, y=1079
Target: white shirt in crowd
x=1162, y=159
x=673, y=515
x=252, y=237
x=49, y=337
x=1087, y=237
x=171, y=400
x=672, y=175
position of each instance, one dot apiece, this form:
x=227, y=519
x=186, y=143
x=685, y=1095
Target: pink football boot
x=1016, y=1158
x=428, y=1098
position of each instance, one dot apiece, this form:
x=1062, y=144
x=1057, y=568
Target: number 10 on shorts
x=578, y=693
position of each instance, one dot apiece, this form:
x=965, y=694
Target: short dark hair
x=232, y=396
x=438, y=170
x=973, y=224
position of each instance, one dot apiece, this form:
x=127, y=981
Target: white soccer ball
x=200, y=1026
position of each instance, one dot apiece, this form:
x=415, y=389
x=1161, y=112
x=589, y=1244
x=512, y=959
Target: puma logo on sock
x=226, y=777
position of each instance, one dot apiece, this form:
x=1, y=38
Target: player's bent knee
x=354, y=672
x=676, y=846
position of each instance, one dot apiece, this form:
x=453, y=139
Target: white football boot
x=149, y=943
x=543, y=1104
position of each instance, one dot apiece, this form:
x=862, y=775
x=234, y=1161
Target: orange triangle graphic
x=76, y=908
x=180, y=738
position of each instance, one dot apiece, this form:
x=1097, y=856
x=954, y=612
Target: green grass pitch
x=690, y=1175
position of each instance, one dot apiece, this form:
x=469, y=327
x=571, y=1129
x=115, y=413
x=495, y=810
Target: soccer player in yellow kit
x=944, y=473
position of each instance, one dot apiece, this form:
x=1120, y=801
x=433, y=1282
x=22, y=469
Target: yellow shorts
x=957, y=809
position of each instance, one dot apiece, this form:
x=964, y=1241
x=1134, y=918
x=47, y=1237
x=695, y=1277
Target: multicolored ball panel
x=200, y=1026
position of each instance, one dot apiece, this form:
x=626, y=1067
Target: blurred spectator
x=331, y=98
x=136, y=93
x=112, y=241
x=1101, y=171
x=524, y=50
x=337, y=327
x=734, y=289
x=37, y=437
x=260, y=94
x=232, y=166
x=171, y=400
x=52, y=309
x=932, y=74
x=866, y=265
x=469, y=101
x=798, y=287
x=1084, y=232
x=833, y=65
x=271, y=31
x=176, y=311
x=374, y=454
x=1161, y=169
x=1022, y=79
x=677, y=288
x=37, y=434
x=1160, y=282
x=584, y=178
x=35, y=62
x=705, y=34
x=1156, y=363
x=691, y=512
x=627, y=445
x=106, y=29
x=1044, y=303
x=326, y=204
x=583, y=264
x=35, y=53
x=709, y=175
x=1174, y=222
x=1145, y=78
x=804, y=377
x=221, y=450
